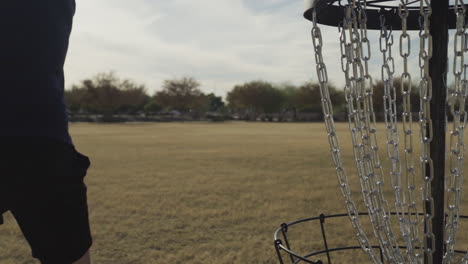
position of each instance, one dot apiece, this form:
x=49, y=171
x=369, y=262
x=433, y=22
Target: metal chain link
x=464, y=260
x=349, y=42
x=457, y=103
x=416, y=249
x=363, y=132
x=355, y=56
x=393, y=139
x=426, y=131
x=327, y=108
x=370, y=125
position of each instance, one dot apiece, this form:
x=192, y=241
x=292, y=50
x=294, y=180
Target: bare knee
x=86, y=259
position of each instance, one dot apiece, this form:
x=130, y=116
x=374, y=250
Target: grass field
x=203, y=192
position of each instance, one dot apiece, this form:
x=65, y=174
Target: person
x=41, y=173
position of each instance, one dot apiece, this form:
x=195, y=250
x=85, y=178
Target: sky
x=220, y=43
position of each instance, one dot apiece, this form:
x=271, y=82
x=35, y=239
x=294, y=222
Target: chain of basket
x=361, y=118
x=464, y=260
x=335, y=150
x=354, y=115
x=360, y=128
x=370, y=135
x=456, y=148
x=416, y=250
x=393, y=140
x=426, y=132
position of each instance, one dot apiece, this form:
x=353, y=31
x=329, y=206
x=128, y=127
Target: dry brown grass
x=203, y=192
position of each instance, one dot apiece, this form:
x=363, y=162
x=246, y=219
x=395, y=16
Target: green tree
x=337, y=98
x=133, y=97
x=307, y=98
x=102, y=94
x=216, y=103
x=182, y=95
x=152, y=107
x=106, y=94
x=75, y=99
x=289, y=92
x=254, y=98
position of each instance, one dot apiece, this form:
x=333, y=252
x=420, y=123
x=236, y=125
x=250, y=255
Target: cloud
x=219, y=42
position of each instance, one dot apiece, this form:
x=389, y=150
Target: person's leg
x=51, y=208
x=86, y=259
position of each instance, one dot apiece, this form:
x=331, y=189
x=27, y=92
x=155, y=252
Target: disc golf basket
x=426, y=190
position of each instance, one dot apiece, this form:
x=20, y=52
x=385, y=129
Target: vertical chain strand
x=361, y=119
x=393, y=139
x=327, y=108
x=416, y=250
x=355, y=47
x=354, y=97
x=457, y=103
x=425, y=123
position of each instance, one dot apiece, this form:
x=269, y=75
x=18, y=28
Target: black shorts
x=41, y=183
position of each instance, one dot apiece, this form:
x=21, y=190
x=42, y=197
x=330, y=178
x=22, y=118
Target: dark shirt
x=34, y=38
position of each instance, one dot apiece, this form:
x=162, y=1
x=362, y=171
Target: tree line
x=105, y=94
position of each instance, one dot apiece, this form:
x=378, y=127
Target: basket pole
x=438, y=70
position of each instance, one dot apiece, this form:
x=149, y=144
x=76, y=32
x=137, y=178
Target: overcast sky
x=219, y=42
